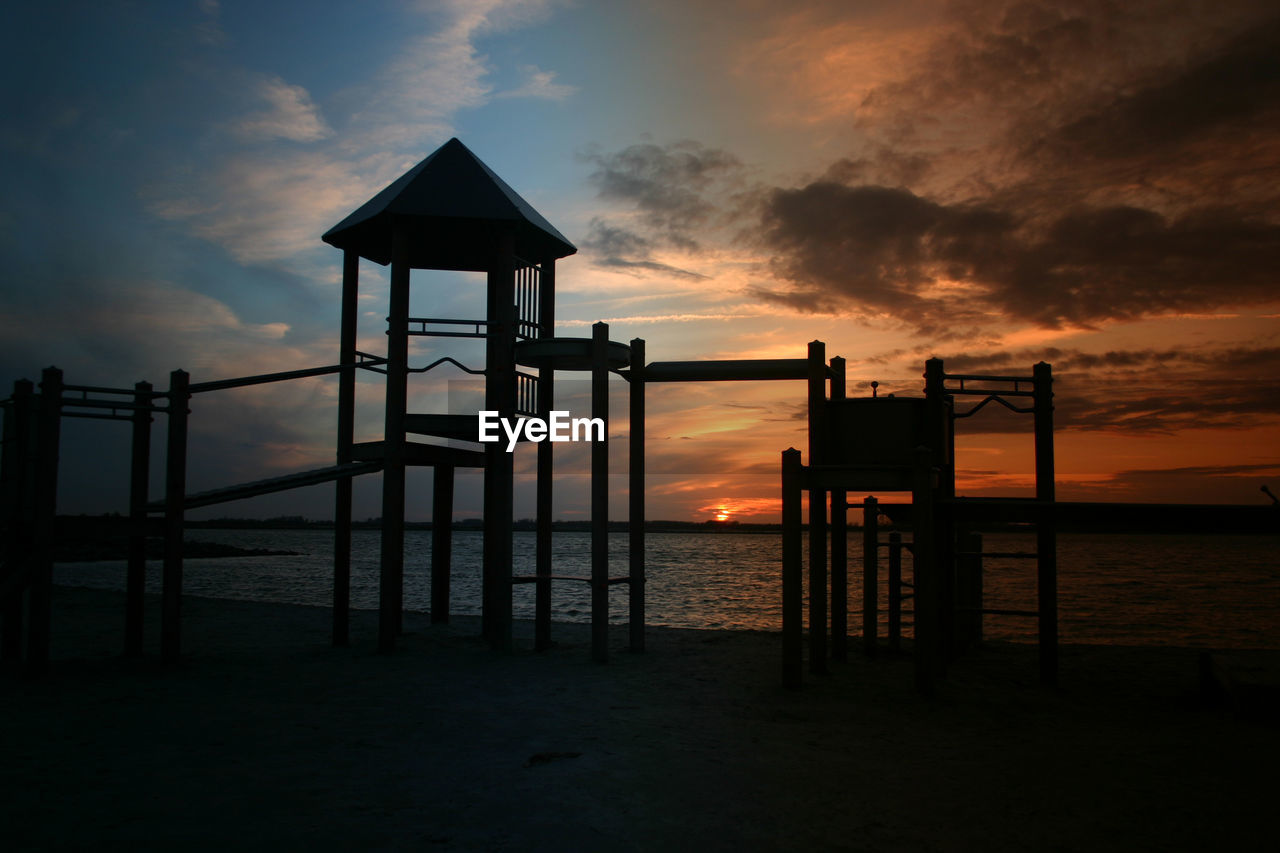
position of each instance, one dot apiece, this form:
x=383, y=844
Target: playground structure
x=902, y=444
x=451, y=212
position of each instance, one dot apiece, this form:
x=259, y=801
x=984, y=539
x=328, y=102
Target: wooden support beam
x=817, y=511
x=441, y=542
x=546, y=467
x=635, y=496
x=175, y=493
x=1046, y=529
x=139, y=478
x=923, y=552
x=839, y=541
x=342, y=498
x=600, y=495
x=40, y=589
x=939, y=442
x=729, y=370
x=792, y=573
x=870, y=573
x=500, y=396
x=391, y=577
x=16, y=484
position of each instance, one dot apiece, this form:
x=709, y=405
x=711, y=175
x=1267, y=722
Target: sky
x=1092, y=184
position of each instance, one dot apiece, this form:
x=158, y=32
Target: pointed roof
x=453, y=201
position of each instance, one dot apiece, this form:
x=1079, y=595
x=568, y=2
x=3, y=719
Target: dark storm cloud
x=620, y=248
x=1225, y=361
x=878, y=246
x=882, y=248
x=1236, y=88
x=675, y=189
x=1125, y=171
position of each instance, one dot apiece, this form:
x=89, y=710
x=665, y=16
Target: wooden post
x=926, y=572
x=499, y=472
x=139, y=477
x=870, y=573
x=600, y=496
x=175, y=496
x=1046, y=527
x=391, y=577
x=635, y=496
x=546, y=466
x=441, y=542
x=839, y=543
x=18, y=518
x=895, y=592
x=792, y=572
x=40, y=600
x=342, y=498
x=817, y=511
x=943, y=544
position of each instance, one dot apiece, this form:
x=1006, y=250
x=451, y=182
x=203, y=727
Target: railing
x=528, y=284
x=479, y=328
x=992, y=395
x=526, y=394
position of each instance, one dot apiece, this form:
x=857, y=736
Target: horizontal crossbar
x=274, y=484
x=746, y=369
x=263, y=378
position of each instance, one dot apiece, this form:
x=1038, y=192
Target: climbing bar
x=263, y=378
x=273, y=484
x=727, y=370
x=97, y=416
x=479, y=328
x=982, y=377
x=439, y=361
x=999, y=399
x=975, y=392
x=98, y=389
x=111, y=404
x=1016, y=391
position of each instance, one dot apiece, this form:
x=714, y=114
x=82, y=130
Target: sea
x=1212, y=591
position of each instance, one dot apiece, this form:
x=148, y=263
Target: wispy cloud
x=289, y=114
x=539, y=84
x=265, y=207
x=296, y=172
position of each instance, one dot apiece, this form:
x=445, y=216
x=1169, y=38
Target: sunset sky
x=1092, y=184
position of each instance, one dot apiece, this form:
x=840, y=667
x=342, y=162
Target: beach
x=267, y=737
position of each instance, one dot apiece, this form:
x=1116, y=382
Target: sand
x=265, y=737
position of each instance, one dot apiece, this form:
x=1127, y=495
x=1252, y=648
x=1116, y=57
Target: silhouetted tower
x=450, y=212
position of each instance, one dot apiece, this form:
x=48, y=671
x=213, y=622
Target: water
x=1215, y=591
